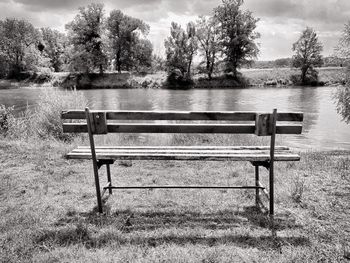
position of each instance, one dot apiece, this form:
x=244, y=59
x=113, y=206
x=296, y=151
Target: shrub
x=6, y=114
x=342, y=99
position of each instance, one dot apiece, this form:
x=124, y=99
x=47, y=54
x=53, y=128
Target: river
x=323, y=128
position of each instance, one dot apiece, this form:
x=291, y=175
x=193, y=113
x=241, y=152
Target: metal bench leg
x=257, y=193
x=97, y=184
x=109, y=178
x=271, y=170
x=271, y=191
x=94, y=160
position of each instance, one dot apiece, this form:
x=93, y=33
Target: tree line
x=224, y=41
x=93, y=42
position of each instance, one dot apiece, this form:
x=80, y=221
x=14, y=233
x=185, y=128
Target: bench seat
x=210, y=153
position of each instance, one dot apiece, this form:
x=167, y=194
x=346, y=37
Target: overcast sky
x=281, y=21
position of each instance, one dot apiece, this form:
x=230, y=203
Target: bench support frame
x=266, y=124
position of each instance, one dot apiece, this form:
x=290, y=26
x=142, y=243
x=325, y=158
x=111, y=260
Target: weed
x=297, y=190
x=44, y=121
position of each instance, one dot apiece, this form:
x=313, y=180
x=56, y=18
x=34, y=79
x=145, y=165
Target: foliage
x=158, y=63
x=283, y=62
x=125, y=45
x=18, y=51
x=208, y=37
x=142, y=54
x=342, y=97
x=308, y=55
x=85, y=34
x=343, y=47
x=180, y=48
x=53, y=45
x=6, y=114
x=238, y=35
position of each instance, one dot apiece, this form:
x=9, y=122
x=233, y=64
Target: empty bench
x=209, y=122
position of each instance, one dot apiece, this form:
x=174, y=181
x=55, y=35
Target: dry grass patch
x=48, y=210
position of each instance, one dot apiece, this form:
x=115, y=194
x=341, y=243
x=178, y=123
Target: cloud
x=280, y=26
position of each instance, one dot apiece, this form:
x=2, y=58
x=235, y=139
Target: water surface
x=323, y=128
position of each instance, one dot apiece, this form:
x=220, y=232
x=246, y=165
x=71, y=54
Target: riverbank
x=48, y=210
x=249, y=78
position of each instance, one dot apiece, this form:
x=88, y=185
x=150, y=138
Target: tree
x=142, y=54
x=308, y=54
x=85, y=33
x=343, y=47
x=53, y=45
x=283, y=62
x=18, y=39
x=124, y=39
x=208, y=34
x=237, y=35
x=180, y=47
x=342, y=95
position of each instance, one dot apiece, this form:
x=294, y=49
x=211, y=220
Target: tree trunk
x=118, y=61
x=101, y=69
x=189, y=69
x=303, y=75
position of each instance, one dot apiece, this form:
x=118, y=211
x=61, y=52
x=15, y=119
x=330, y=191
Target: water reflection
x=323, y=127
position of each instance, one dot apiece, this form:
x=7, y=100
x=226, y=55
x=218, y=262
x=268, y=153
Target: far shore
x=279, y=77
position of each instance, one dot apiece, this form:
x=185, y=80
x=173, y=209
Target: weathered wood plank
x=208, y=157
x=125, y=151
x=183, y=115
x=181, y=128
x=194, y=147
x=98, y=123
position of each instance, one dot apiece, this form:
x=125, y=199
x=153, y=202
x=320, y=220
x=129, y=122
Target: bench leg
x=109, y=178
x=271, y=192
x=257, y=197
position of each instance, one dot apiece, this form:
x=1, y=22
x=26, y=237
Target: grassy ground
x=48, y=213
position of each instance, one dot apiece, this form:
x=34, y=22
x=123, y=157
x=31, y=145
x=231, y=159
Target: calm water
x=323, y=127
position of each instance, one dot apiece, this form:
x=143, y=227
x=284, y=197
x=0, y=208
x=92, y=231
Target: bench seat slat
x=183, y=115
x=195, y=147
x=182, y=128
x=148, y=153
x=132, y=151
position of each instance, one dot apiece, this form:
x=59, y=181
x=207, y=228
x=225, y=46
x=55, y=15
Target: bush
x=6, y=114
x=342, y=99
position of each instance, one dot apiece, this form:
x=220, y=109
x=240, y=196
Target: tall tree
x=308, y=54
x=238, y=34
x=343, y=47
x=180, y=47
x=53, y=44
x=85, y=33
x=142, y=54
x=342, y=95
x=18, y=38
x=208, y=34
x=124, y=38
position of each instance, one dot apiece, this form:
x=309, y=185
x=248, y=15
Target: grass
x=48, y=210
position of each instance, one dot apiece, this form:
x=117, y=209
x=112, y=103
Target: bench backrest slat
x=183, y=115
x=237, y=122
x=181, y=128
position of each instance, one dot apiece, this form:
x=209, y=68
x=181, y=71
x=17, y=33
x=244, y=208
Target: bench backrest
x=259, y=123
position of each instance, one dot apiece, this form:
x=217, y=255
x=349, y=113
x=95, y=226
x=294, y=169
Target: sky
x=281, y=21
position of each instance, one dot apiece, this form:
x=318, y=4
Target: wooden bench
x=227, y=122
